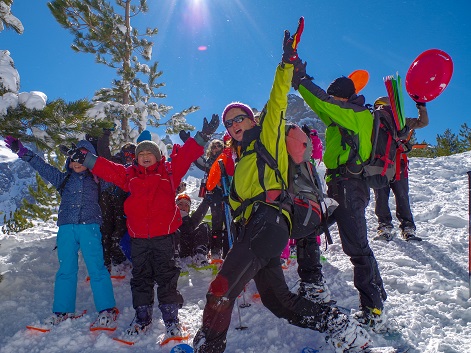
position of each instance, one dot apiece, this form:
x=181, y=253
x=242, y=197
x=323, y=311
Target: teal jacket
x=351, y=115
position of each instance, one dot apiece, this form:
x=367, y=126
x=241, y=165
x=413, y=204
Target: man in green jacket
x=345, y=114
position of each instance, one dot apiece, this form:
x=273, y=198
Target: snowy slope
x=427, y=283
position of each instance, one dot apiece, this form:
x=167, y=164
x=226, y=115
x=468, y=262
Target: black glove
x=211, y=127
x=184, y=135
x=78, y=156
x=306, y=130
x=92, y=139
x=299, y=74
x=404, y=133
x=419, y=104
x=68, y=151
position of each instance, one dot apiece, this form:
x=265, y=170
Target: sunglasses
x=237, y=119
x=216, y=147
x=129, y=155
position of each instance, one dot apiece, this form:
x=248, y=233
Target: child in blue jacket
x=79, y=221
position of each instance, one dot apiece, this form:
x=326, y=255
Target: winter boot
x=408, y=234
x=345, y=333
x=200, y=260
x=55, y=319
x=106, y=320
x=316, y=292
x=384, y=233
x=170, y=318
x=375, y=319
x=201, y=256
x=122, y=269
x=142, y=320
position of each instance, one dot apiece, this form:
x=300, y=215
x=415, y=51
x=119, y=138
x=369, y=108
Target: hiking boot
x=315, y=292
x=408, y=233
x=106, y=320
x=144, y=314
x=174, y=329
x=384, y=233
x=56, y=319
x=136, y=330
x=345, y=333
x=142, y=319
x=200, y=260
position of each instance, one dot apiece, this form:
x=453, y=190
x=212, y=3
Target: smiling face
x=237, y=129
x=77, y=167
x=216, y=149
x=146, y=159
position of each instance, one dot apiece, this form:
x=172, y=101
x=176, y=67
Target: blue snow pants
x=70, y=239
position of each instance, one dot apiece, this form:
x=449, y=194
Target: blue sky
x=244, y=39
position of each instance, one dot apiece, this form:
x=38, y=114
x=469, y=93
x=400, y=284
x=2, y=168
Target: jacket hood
x=358, y=100
x=81, y=144
x=86, y=144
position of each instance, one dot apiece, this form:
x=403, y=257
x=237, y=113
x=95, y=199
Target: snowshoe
x=174, y=332
x=54, y=320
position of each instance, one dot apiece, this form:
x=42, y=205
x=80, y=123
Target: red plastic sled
x=429, y=75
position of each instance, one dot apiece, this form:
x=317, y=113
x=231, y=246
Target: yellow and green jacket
x=246, y=183
x=351, y=115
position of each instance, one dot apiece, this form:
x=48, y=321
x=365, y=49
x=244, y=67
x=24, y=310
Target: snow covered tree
x=30, y=117
x=7, y=20
x=45, y=203
x=105, y=31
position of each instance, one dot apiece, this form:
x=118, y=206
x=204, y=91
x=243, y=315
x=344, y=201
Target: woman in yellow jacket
x=262, y=228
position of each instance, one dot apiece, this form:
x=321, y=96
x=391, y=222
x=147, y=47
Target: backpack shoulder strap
x=64, y=182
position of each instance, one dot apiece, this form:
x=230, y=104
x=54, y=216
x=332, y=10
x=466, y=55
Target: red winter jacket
x=150, y=208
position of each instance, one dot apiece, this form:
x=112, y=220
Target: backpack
x=380, y=168
x=301, y=194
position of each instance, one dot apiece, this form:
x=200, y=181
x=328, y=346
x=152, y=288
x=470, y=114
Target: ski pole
x=240, y=318
x=244, y=304
x=469, y=232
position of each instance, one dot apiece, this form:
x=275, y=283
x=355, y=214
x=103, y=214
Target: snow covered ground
x=427, y=283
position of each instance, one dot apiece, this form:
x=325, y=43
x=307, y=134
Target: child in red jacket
x=152, y=219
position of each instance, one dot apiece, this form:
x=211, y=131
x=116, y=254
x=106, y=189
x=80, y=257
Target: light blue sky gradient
x=244, y=41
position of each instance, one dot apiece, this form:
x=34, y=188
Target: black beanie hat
x=342, y=87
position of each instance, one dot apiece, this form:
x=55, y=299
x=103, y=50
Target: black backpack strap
x=64, y=182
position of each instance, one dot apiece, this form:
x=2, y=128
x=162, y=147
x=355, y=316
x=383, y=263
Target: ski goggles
x=129, y=155
x=237, y=119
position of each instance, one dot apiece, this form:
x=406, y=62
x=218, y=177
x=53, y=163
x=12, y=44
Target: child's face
x=77, y=167
x=146, y=159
